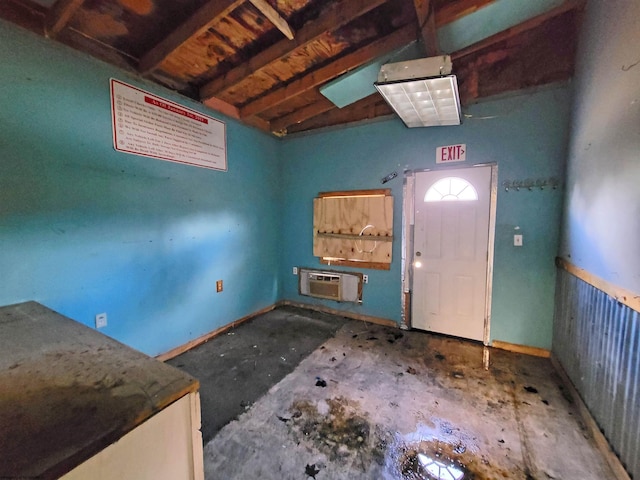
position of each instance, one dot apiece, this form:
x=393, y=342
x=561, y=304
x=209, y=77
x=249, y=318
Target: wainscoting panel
x=597, y=341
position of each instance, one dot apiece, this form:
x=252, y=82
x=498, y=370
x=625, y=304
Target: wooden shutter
x=354, y=228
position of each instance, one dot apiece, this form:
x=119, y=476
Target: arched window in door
x=451, y=189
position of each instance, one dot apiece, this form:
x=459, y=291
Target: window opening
x=451, y=189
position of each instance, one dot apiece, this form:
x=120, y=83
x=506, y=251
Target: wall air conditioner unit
x=338, y=286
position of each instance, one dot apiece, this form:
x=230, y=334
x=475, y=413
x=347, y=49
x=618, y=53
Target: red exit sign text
x=451, y=153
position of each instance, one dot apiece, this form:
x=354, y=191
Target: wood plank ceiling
x=263, y=61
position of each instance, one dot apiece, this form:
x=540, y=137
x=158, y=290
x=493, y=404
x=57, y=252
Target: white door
x=450, y=262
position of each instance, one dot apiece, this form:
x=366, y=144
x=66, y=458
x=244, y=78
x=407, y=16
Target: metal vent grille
x=337, y=286
x=324, y=286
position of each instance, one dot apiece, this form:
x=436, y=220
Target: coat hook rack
x=531, y=184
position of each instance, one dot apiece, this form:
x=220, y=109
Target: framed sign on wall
x=151, y=126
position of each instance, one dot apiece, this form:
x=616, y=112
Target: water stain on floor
x=431, y=464
x=338, y=429
x=433, y=458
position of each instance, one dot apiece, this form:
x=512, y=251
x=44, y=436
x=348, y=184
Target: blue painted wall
x=525, y=135
x=85, y=229
x=601, y=231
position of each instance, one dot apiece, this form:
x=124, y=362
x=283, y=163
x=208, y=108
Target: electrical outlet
x=517, y=240
x=101, y=320
x=218, y=286
x=295, y=270
x=365, y=278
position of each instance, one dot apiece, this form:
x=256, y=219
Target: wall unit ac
x=338, y=286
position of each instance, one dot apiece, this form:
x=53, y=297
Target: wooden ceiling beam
x=274, y=17
x=427, y=26
x=344, y=64
x=518, y=29
x=223, y=107
x=453, y=11
x=259, y=123
x=430, y=20
x=338, y=15
x=533, y=57
x=322, y=105
x=233, y=112
x=368, y=108
x=97, y=49
x=59, y=16
x=194, y=26
x=30, y=17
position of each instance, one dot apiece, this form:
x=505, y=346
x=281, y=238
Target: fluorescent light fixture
x=422, y=92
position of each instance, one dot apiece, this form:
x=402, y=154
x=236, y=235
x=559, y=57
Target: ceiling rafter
x=194, y=26
x=322, y=105
x=427, y=26
x=452, y=12
x=29, y=16
x=368, y=108
x=60, y=15
x=233, y=112
x=223, y=107
x=276, y=89
x=472, y=60
x=94, y=47
x=274, y=17
x=344, y=64
x=514, y=64
x=338, y=15
x=518, y=29
x=455, y=10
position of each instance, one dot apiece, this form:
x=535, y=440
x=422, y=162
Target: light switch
x=517, y=240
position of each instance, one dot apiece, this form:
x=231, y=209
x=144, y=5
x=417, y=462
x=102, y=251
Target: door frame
x=408, y=223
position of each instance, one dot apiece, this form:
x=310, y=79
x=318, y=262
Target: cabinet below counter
x=76, y=404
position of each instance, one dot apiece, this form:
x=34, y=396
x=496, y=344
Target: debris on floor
x=448, y=419
x=311, y=470
x=339, y=431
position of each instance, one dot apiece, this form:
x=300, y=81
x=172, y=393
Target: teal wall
x=85, y=229
x=525, y=135
x=601, y=227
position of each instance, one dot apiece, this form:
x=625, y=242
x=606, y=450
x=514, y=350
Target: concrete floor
x=237, y=368
x=373, y=402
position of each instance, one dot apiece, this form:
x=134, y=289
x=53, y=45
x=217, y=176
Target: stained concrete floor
x=237, y=368
x=379, y=403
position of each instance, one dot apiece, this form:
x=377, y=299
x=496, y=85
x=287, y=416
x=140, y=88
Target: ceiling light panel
x=424, y=102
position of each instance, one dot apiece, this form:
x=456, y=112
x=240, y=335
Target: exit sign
x=451, y=153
